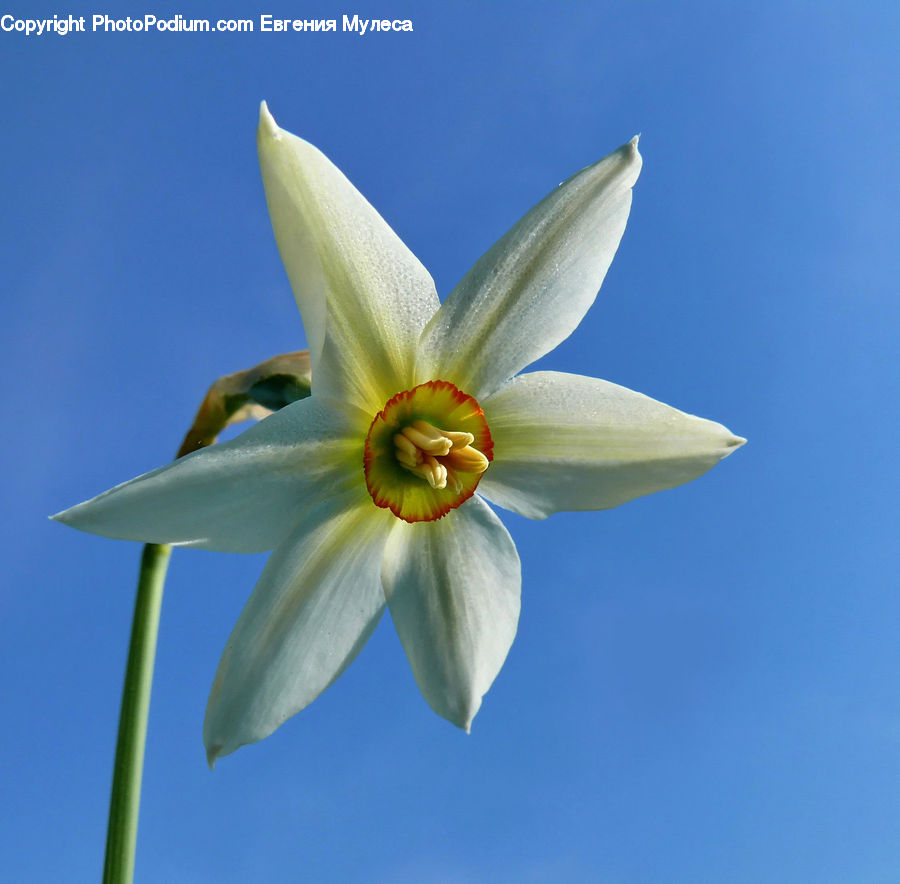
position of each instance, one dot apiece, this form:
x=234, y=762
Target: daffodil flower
x=372, y=491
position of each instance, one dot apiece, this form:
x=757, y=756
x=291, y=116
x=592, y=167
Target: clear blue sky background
x=705, y=686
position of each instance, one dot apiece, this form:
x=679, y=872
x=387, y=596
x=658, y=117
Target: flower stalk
x=124, y=805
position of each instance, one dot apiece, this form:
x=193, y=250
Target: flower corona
x=426, y=451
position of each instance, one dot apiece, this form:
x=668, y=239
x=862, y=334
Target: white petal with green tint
x=244, y=495
x=453, y=589
x=532, y=288
x=315, y=605
x=567, y=442
x=363, y=296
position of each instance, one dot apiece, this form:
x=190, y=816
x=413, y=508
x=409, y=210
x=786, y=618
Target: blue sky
x=704, y=686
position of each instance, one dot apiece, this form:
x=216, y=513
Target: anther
x=459, y=440
x=407, y=460
x=433, y=472
x=404, y=445
x=423, y=435
x=453, y=481
x=467, y=460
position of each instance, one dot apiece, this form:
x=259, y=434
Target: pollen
x=426, y=451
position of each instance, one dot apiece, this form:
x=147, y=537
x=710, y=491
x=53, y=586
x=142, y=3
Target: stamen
x=407, y=460
x=459, y=440
x=433, y=472
x=403, y=444
x=418, y=446
x=467, y=460
x=423, y=435
x=453, y=481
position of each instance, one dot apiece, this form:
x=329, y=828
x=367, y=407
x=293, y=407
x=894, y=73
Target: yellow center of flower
x=426, y=451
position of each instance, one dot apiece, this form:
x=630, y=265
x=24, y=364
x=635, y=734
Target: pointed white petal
x=244, y=495
x=363, y=296
x=532, y=288
x=567, y=442
x=453, y=590
x=316, y=604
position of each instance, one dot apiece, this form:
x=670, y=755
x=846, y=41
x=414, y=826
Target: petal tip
x=267, y=125
x=214, y=753
x=734, y=442
x=460, y=715
x=65, y=517
x=633, y=155
x=464, y=721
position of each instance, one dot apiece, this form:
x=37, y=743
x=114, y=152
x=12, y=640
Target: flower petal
x=244, y=495
x=453, y=590
x=364, y=297
x=567, y=442
x=317, y=602
x=532, y=288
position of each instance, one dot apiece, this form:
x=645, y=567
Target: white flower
x=366, y=491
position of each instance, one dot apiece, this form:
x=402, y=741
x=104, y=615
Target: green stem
x=121, y=832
